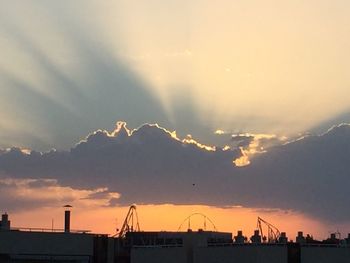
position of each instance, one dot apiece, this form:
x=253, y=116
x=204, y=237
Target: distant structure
x=256, y=238
x=67, y=218
x=131, y=222
x=5, y=224
x=42, y=245
x=240, y=239
x=205, y=221
x=131, y=245
x=273, y=234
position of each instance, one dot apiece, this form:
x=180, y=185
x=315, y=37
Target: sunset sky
x=245, y=76
x=71, y=67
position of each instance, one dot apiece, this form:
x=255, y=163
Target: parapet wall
x=323, y=254
x=241, y=254
x=38, y=243
x=158, y=255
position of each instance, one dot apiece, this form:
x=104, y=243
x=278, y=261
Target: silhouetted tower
x=67, y=218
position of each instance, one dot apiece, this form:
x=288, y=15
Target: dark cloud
x=150, y=165
x=151, y=158
x=343, y=117
x=240, y=137
x=240, y=140
x=310, y=174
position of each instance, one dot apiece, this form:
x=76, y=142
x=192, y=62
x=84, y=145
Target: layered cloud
x=250, y=144
x=24, y=194
x=151, y=165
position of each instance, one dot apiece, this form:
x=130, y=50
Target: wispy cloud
x=28, y=193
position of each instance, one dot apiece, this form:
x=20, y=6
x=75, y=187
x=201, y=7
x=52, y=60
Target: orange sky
x=170, y=217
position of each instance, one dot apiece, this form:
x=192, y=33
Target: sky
x=71, y=67
x=171, y=218
x=253, y=78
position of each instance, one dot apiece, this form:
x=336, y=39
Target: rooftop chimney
x=67, y=218
x=283, y=238
x=5, y=224
x=300, y=238
x=239, y=238
x=256, y=238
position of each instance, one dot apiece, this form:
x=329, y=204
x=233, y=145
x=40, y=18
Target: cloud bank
x=151, y=165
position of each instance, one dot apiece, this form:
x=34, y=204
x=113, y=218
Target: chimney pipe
x=67, y=218
x=67, y=221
